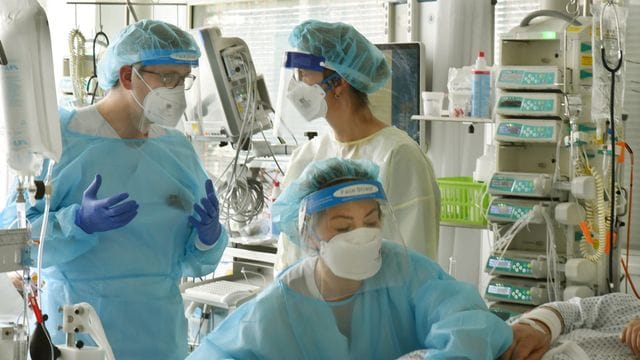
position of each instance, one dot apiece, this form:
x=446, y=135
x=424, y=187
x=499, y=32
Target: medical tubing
x=273, y=156
x=504, y=240
x=612, y=195
x=612, y=71
x=76, y=56
x=626, y=271
x=629, y=207
x=552, y=258
x=600, y=221
x=551, y=13
x=612, y=198
x=595, y=210
x=43, y=229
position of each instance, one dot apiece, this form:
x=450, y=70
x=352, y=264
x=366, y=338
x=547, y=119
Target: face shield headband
x=339, y=194
x=169, y=57
x=300, y=60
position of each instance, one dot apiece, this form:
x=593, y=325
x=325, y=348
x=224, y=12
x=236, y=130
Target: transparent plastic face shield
x=301, y=91
x=344, y=251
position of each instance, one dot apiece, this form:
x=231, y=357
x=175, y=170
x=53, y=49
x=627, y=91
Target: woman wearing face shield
x=123, y=228
x=354, y=293
x=329, y=76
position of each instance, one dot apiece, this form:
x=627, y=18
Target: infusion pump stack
x=29, y=121
x=550, y=208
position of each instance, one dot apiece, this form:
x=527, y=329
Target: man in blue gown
x=132, y=210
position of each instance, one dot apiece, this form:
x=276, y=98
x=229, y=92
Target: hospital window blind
x=265, y=26
x=508, y=14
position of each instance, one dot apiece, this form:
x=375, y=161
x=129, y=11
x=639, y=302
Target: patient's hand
x=631, y=336
x=528, y=343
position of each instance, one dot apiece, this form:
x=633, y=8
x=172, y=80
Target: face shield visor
x=345, y=249
x=302, y=89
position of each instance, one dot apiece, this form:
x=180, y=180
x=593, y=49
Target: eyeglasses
x=172, y=79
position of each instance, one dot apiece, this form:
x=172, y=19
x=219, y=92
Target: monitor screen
x=228, y=95
x=400, y=98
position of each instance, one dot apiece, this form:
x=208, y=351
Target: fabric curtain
x=463, y=28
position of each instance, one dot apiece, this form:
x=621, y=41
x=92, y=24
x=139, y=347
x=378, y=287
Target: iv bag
x=28, y=104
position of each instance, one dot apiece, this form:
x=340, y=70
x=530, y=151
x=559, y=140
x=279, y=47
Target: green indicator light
x=548, y=34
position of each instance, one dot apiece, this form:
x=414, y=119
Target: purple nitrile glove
x=208, y=227
x=97, y=215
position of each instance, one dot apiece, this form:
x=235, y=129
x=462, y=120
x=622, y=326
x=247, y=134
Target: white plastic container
x=480, y=88
x=485, y=164
x=432, y=102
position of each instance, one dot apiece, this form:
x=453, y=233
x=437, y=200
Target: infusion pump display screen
x=502, y=183
x=501, y=209
x=509, y=129
x=508, y=102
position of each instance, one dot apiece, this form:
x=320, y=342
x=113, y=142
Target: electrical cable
x=242, y=197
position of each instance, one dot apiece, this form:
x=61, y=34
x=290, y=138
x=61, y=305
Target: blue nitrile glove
x=208, y=227
x=97, y=215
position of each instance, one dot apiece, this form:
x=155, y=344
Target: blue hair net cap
x=150, y=42
x=345, y=50
x=317, y=175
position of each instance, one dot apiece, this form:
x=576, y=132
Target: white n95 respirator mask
x=307, y=99
x=164, y=106
x=355, y=254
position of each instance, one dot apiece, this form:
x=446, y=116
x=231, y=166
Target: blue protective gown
x=129, y=275
x=428, y=310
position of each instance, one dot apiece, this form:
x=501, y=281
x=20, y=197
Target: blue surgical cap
x=149, y=42
x=345, y=50
x=316, y=176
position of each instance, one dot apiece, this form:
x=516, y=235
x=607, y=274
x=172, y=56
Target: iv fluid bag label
x=11, y=100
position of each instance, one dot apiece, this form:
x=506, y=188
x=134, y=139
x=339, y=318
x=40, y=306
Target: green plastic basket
x=464, y=202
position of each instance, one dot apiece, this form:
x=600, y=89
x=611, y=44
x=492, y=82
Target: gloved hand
x=208, y=227
x=97, y=215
